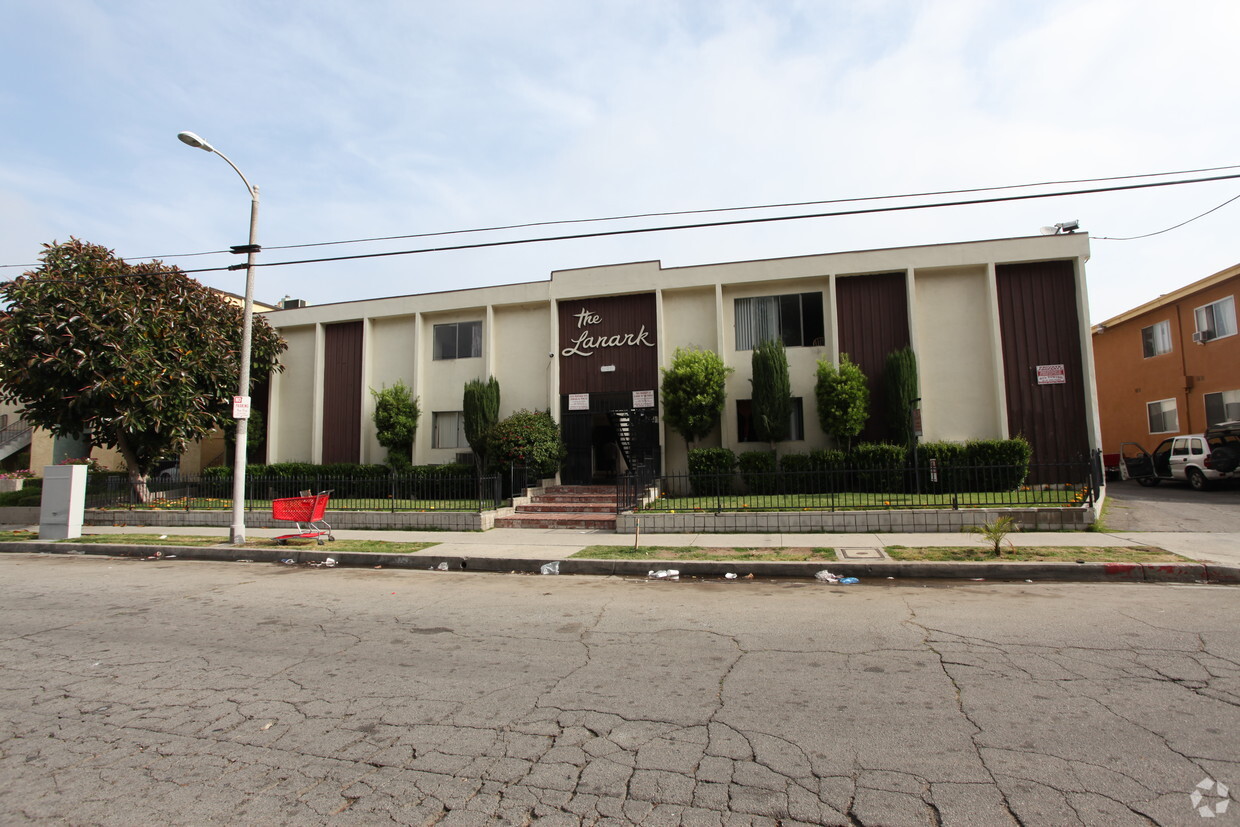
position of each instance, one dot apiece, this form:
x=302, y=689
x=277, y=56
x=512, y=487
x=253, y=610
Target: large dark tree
x=140, y=358
x=772, y=392
x=480, y=404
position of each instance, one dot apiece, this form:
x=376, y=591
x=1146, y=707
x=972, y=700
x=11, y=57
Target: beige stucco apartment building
x=1000, y=330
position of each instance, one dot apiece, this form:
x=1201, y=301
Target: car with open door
x=1198, y=459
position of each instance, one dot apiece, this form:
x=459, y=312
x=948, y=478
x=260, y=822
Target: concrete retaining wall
x=363, y=520
x=856, y=522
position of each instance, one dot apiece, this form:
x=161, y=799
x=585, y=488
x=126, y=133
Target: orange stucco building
x=1170, y=366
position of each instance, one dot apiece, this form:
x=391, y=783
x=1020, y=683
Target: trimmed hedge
x=976, y=465
x=711, y=470
x=758, y=471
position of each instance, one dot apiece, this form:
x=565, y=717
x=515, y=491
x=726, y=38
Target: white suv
x=1198, y=459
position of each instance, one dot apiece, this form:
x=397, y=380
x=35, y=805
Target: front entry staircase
x=566, y=506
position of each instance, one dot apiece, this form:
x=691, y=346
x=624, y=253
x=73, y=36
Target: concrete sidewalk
x=528, y=549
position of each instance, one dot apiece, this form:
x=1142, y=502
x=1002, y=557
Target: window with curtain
x=796, y=319
x=1156, y=339
x=1219, y=318
x=1164, y=419
x=449, y=430
x=1223, y=406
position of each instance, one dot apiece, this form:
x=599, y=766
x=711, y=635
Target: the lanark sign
x=586, y=343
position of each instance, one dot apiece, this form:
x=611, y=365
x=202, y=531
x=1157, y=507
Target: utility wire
x=1169, y=229
x=787, y=205
x=731, y=223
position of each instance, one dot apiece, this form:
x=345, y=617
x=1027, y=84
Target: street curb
x=1187, y=572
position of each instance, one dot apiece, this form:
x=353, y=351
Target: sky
x=393, y=118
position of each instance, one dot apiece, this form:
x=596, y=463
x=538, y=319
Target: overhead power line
x=704, y=211
x=730, y=223
x=1168, y=229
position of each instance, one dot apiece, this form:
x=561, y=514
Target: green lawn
x=691, y=553
x=1057, y=554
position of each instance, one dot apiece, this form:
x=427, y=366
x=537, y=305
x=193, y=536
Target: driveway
x=1171, y=507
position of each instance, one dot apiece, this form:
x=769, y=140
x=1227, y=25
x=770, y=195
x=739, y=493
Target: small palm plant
x=996, y=532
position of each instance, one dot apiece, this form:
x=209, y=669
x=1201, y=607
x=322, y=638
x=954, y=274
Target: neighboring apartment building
x=1170, y=366
x=1000, y=329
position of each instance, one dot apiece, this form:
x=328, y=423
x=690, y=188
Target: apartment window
x=1163, y=417
x=794, y=319
x=1223, y=406
x=449, y=430
x=460, y=340
x=746, y=432
x=1156, y=339
x=1216, y=320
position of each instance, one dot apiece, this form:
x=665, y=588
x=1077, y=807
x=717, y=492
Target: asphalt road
x=179, y=692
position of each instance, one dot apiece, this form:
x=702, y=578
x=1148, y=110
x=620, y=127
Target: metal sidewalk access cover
x=860, y=554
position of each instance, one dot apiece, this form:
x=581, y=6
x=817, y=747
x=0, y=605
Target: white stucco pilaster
x=367, y=402
x=996, y=347
x=422, y=436
x=316, y=402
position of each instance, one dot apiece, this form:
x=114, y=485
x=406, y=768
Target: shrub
x=758, y=470
x=772, y=392
x=396, y=422
x=879, y=467
x=797, y=473
x=711, y=470
x=1008, y=458
x=694, y=392
x=900, y=379
x=528, y=438
x=831, y=471
x=843, y=400
x=953, y=471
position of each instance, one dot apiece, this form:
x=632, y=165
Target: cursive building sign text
x=586, y=343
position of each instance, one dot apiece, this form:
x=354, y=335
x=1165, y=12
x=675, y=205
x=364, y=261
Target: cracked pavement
x=172, y=692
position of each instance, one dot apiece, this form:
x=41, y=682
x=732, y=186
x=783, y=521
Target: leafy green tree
x=901, y=381
x=528, y=438
x=396, y=422
x=843, y=400
x=481, y=407
x=694, y=392
x=772, y=392
x=136, y=357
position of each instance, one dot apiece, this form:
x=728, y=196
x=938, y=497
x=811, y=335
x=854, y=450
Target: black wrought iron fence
x=391, y=493
x=848, y=489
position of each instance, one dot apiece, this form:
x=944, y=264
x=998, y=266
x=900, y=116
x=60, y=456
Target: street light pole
x=236, y=533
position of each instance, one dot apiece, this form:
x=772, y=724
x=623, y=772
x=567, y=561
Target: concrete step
x=573, y=508
x=581, y=489
x=575, y=498
x=558, y=520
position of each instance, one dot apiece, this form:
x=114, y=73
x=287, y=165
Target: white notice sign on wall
x=643, y=399
x=579, y=401
x=1051, y=375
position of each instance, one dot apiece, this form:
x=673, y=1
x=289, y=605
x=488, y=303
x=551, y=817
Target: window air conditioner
x=1203, y=336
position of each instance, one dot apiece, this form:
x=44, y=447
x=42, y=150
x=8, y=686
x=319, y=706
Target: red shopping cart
x=307, y=509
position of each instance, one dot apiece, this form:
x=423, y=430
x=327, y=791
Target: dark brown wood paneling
x=342, y=392
x=872, y=316
x=612, y=330
x=1040, y=326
